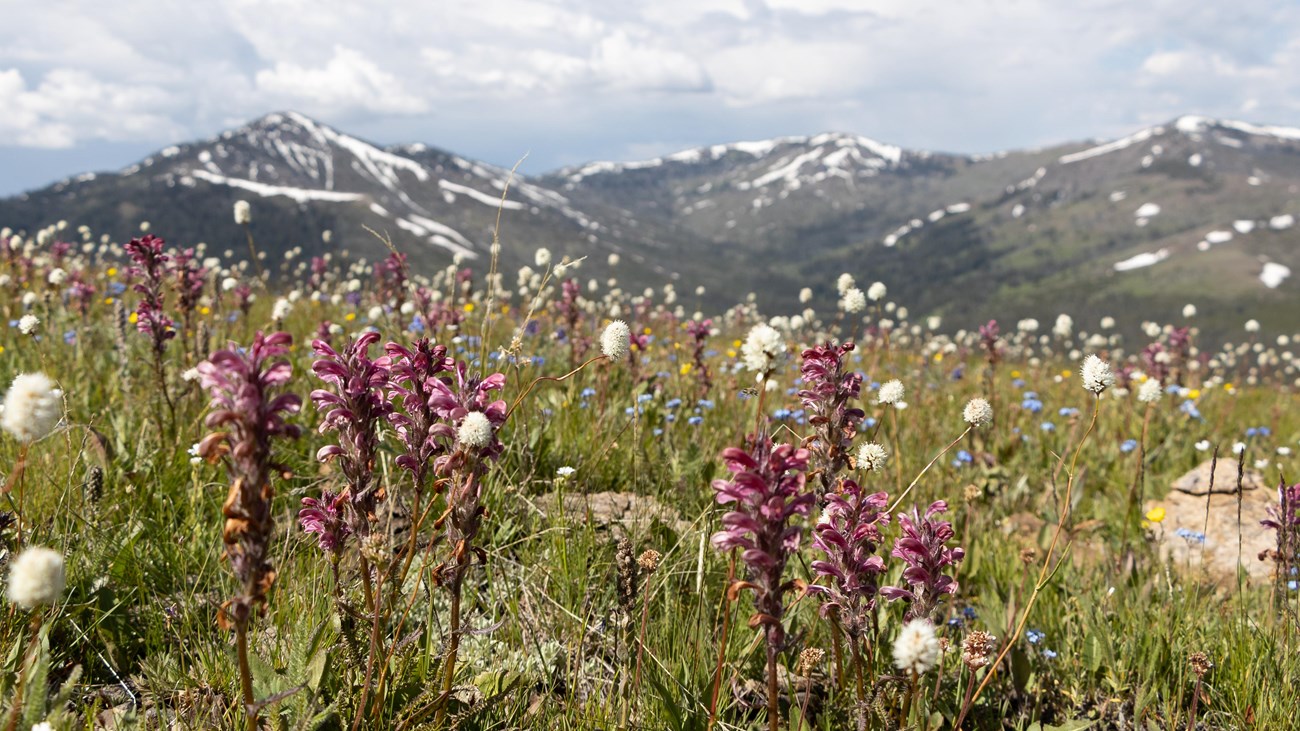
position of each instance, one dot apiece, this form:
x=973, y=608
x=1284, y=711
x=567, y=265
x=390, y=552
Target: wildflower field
x=343, y=494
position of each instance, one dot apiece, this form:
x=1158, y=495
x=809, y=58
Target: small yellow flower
x=205, y=310
x=1156, y=514
x=1194, y=394
x=2, y=349
x=505, y=309
x=731, y=354
x=1144, y=378
x=938, y=357
x=133, y=318
x=1015, y=374
x=1229, y=388
x=736, y=343
x=686, y=369
x=108, y=300
x=350, y=316
x=1066, y=374
x=112, y=271
x=646, y=331
x=469, y=307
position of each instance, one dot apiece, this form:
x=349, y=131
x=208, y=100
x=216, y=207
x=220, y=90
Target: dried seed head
x=625, y=585
x=1200, y=663
x=809, y=659
x=374, y=547
x=649, y=560
x=1028, y=556
x=977, y=648
x=972, y=492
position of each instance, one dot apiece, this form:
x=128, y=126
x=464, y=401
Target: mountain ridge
x=1199, y=198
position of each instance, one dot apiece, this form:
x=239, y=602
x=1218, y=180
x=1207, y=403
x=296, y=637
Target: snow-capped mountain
x=1194, y=209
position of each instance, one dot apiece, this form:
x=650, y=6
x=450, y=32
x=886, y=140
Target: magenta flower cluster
x=150, y=272
x=767, y=493
x=247, y=414
x=354, y=406
x=922, y=546
x=848, y=534
x=827, y=394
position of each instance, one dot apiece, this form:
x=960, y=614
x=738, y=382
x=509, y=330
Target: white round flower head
x=32, y=407
x=853, y=301
x=43, y=726
x=1189, y=311
x=845, y=283
x=542, y=257
x=1108, y=323
x=916, y=649
x=891, y=392
x=1252, y=326
x=565, y=472
x=281, y=309
x=475, y=430
x=616, y=340
x=805, y=295
x=978, y=412
x=1096, y=374
x=1150, y=391
x=613, y=260
x=243, y=213
x=876, y=291
x=762, y=347
x=872, y=457
x=27, y=324
x=1064, y=326
x=57, y=276
x=36, y=577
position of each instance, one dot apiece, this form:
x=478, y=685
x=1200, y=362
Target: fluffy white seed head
x=36, y=577
x=616, y=340
x=475, y=430
x=1096, y=374
x=27, y=324
x=243, y=212
x=978, y=412
x=876, y=291
x=1252, y=326
x=281, y=309
x=32, y=407
x=1189, y=311
x=1150, y=391
x=542, y=257
x=891, y=392
x=845, y=283
x=853, y=301
x=57, y=276
x=872, y=457
x=762, y=347
x=916, y=650
x=805, y=295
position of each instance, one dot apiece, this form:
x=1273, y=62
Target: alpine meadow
x=343, y=491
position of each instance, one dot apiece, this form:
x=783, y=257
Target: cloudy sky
x=97, y=85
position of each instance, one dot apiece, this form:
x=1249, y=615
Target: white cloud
x=572, y=79
x=348, y=81
x=71, y=105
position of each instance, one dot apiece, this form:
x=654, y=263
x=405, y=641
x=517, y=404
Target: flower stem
x=245, y=674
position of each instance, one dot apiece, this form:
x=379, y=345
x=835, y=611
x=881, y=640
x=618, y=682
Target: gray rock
x=1197, y=482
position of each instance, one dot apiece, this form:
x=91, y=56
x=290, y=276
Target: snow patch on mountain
x=1143, y=260
x=1274, y=274
x=301, y=195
